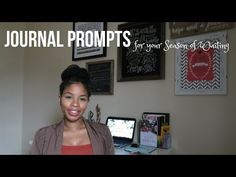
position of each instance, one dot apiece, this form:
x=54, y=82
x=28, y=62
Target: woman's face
x=74, y=101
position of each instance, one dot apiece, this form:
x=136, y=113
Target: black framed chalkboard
x=102, y=77
x=144, y=58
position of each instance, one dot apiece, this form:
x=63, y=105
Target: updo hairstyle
x=74, y=74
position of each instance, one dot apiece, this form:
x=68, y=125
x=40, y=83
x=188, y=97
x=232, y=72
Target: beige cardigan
x=48, y=140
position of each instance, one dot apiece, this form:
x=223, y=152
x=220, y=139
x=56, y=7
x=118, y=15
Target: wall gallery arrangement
x=200, y=62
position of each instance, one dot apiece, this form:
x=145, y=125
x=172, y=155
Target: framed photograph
x=87, y=47
x=144, y=58
x=202, y=68
x=102, y=77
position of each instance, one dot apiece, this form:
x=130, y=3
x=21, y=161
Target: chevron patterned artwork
x=201, y=68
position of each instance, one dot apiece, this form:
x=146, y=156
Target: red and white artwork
x=201, y=68
x=200, y=65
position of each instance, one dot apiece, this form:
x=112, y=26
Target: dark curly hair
x=74, y=74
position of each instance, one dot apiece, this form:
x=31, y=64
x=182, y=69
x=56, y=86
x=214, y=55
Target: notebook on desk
x=142, y=149
x=122, y=130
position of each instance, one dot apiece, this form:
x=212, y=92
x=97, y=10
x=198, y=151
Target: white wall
x=200, y=124
x=11, y=92
x=41, y=82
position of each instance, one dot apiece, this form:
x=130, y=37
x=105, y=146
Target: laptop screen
x=121, y=127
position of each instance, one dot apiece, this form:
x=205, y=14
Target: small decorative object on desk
x=165, y=137
x=98, y=110
x=90, y=116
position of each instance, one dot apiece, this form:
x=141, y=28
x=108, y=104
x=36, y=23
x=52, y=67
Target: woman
x=74, y=135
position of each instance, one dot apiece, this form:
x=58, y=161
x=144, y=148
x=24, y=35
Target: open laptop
x=122, y=130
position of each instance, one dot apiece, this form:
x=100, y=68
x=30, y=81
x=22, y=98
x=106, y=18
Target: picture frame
x=184, y=29
x=101, y=76
x=82, y=52
x=144, y=59
x=202, y=70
